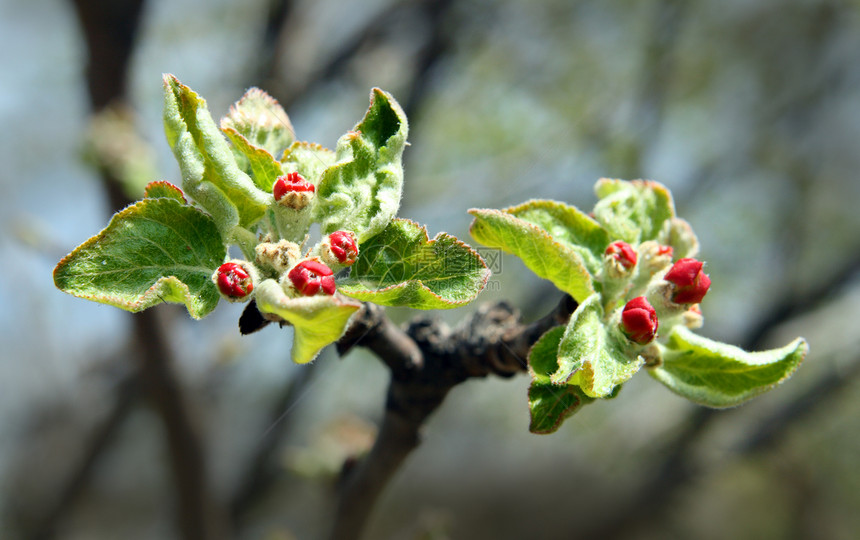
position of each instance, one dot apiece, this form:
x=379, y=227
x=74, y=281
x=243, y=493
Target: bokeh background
x=749, y=110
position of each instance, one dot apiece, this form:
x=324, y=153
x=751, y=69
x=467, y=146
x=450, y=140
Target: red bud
x=623, y=253
x=293, y=190
x=691, y=284
x=639, y=321
x=309, y=276
x=342, y=247
x=233, y=280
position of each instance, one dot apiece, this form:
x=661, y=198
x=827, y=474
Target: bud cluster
x=676, y=293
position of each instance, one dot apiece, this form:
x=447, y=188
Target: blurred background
x=121, y=426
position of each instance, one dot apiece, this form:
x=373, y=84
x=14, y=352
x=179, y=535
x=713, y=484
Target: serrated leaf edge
x=420, y=283
x=145, y=300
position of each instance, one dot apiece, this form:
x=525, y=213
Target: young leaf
x=209, y=170
x=157, y=250
x=720, y=375
x=550, y=405
x=401, y=266
x=589, y=356
x=318, y=320
x=543, y=356
x=263, y=167
x=361, y=192
x=542, y=254
x=154, y=190
x=679, y=234
x=308, y=159
x=261, y=121
x=633, y=211
x=566, y=224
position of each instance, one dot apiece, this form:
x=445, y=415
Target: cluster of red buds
x=293, y=191
x=687, y=284
x=314, y=276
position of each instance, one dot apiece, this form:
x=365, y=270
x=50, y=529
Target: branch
x=110, y=30
x=426, y=360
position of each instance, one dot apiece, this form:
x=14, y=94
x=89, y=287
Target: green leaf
x=318, y=320
x=308, y=159
x=543, y=356
x=544, y=255
x=361, y=192
x=678, y=234
x=210, y=174
x=720, y=375
x=157, y=250
x=633, y=211
x=566, y=224
x=591, y=357
x=264, y=168
x=401, y=266
x=261, y=121
x=550, y=405
x=161, y=189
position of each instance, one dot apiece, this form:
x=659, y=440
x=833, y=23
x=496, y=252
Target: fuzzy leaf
x=544, y=255
x=633, y=211
x=401, y=266
x=361, y=192
x=566, y=224
x=720, y=375
x=263, y=167
x=210, y=174
x=551, y=404
x=591, y=357
x=160, y=189
x=678, y=234
x=543, y=356
x=308, y=159
x=318, y=320
x=261, y=121
x=157, y=250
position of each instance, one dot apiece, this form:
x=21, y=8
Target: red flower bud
x=233, y=280
x=639, y=321
x=293, y=190
x=623, y=253
x=691, y=284
x=309, y=276
x=340, y=248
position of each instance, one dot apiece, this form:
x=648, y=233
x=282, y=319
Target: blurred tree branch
x=110, y=30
